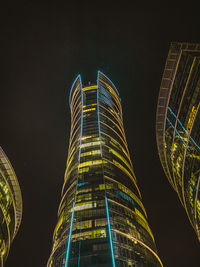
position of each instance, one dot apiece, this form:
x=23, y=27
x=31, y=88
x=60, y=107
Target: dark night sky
x=43, y=47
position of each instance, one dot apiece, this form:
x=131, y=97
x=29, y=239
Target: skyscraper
x=178, y=126
x=10, y=206
x=101, y=219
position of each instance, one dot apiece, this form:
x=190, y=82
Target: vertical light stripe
x=98, y=113
x=69, y=237
x=109, y=231
x=79, y=156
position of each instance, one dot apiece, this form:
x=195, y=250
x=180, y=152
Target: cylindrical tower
x=101, y=219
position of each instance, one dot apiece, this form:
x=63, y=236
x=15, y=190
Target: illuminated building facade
x=101, y=219
x=178, y=126
x=10, y=206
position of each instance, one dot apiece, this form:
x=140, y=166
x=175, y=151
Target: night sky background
x=43, y=47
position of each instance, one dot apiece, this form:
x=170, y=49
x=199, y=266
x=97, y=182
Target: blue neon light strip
x=109, y=231
x=180, y=123
x=125, y=196
x=69, y=237
x=81, y=184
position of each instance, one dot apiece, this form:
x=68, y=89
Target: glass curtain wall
x=101, y=219
x=178, y=126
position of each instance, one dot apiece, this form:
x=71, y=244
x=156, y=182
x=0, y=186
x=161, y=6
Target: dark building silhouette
x=178, y=126
x=101, y=219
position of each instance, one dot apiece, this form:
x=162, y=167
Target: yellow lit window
x=93, y=152
x=109, y=186
x=100, y=222
x=91, y=163
x=84, y=224
x=86, y=137
x=82, y=170
x=90, y=88
x=85, y=205
x=84, y=190
x=84, y=197
x=89, y=109
x=85, y=106
x=100, y=233
x=102, y=186
x=90, y=144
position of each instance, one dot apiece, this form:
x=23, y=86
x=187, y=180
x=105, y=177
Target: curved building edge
x=182, y=61
x=10, y=205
